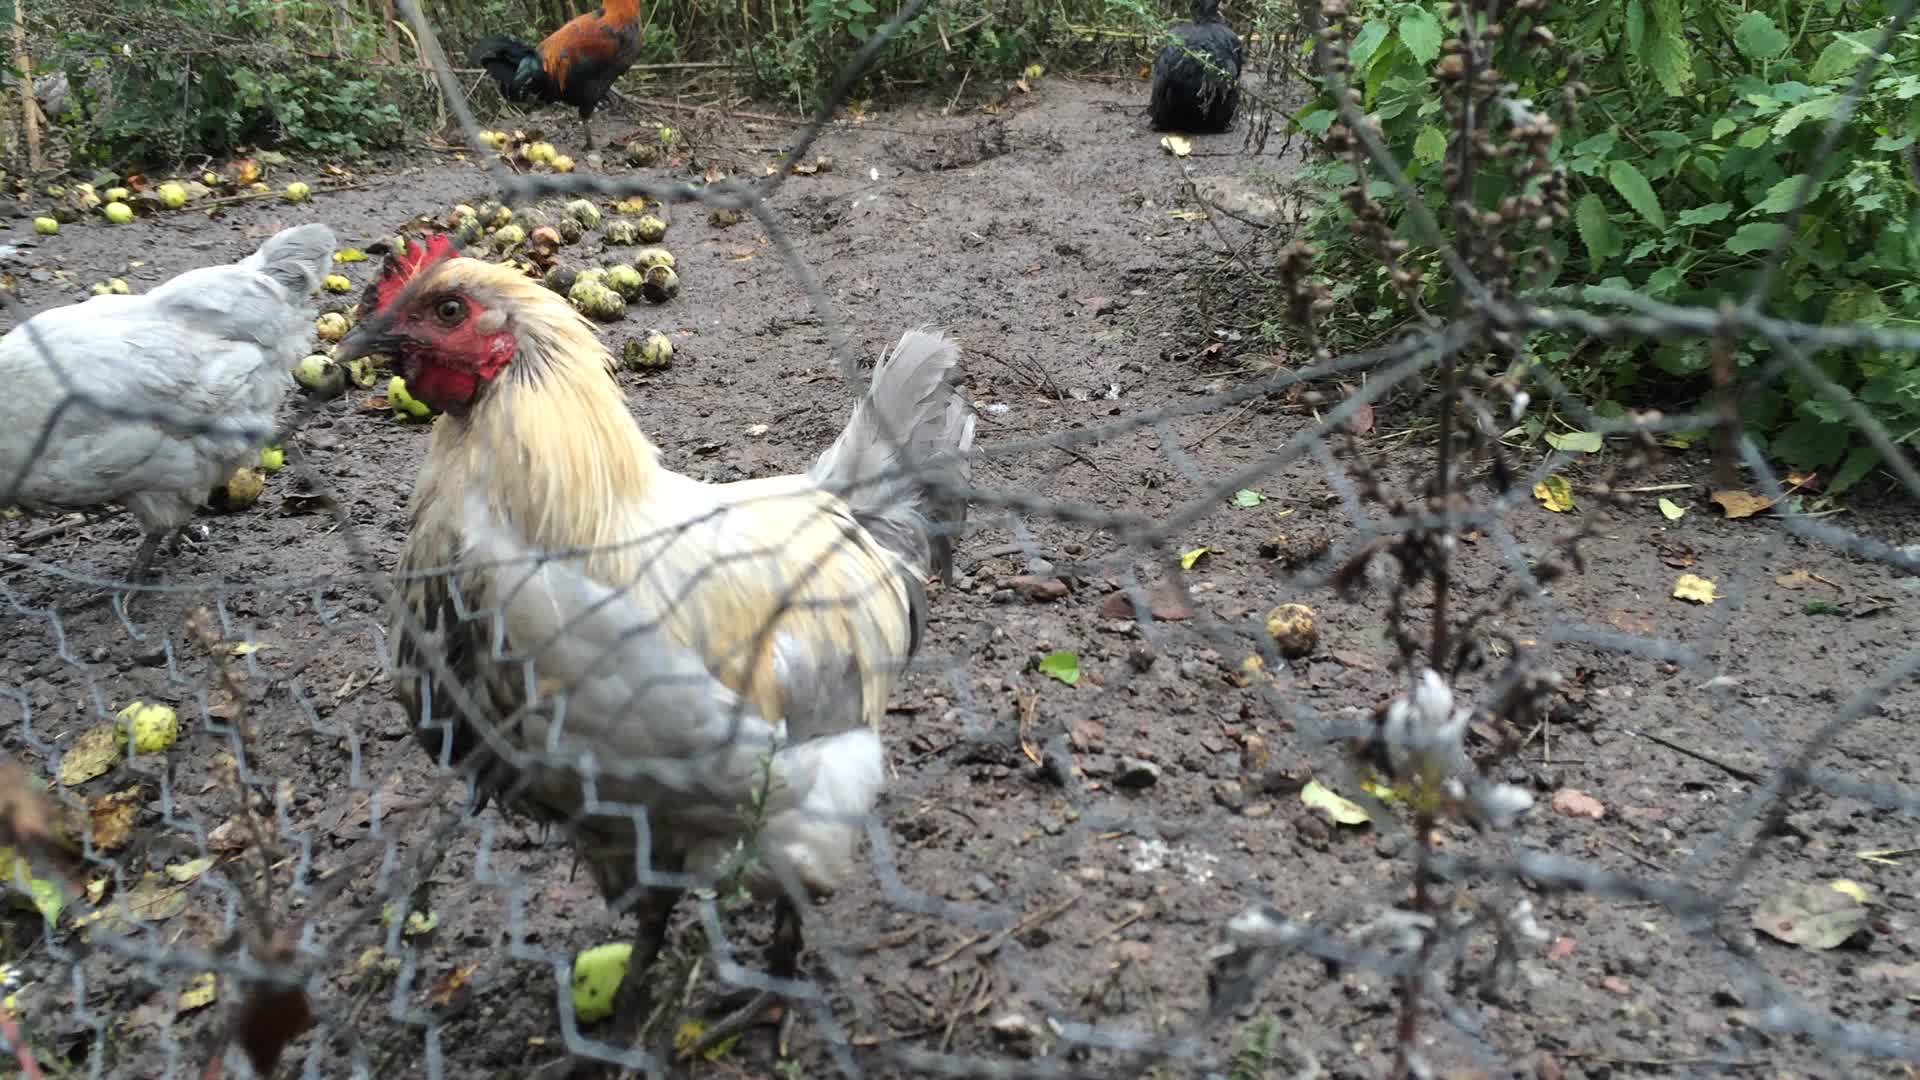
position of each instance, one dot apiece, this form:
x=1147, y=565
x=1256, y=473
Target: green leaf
x=1819, y=108
x=1756, y=236
x=1840, y=57
x=1420, y=32
x=1757, y=36
x=1632, y=185
x=1430, y=146
x=1704, y=215
x=1636, y=27
x=1596, y=229
x=1810, y=443
x=1365, y=43
x=1663, y=281
x=1246, y=498
x=1891, y=144
x=1753, y=138
x=1780, y=196
x=1667, y=53
x=1860, y=461
x=1063, y=666
x=1575, y=442
x=1722, y=126
x=1671, y=510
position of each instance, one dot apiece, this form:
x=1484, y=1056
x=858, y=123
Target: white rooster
x=151, y=401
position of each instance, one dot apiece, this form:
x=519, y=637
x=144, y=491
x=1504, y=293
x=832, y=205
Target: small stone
x=1229, y=794
x=1388, y=845
x=1013, y=1027
x=1136, y=773
x=1613, y=984
x=1038, y=589
x=1140, y=658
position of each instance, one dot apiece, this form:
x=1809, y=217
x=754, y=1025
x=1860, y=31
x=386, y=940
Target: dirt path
x=1013, y=915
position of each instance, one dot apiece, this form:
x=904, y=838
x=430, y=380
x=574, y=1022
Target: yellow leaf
x=1694, y=588
x=1797, y=579
x=111, y=818
x=1555, y=494
x=349, y=255
x=1175, y=145
x=1887, y=856
x=1740, y=504
x=187, y=871
x=1380, y=791
x=247, y=647
x=96, y=751
x=1187, y=215
x=1851, y=888
x=200, y=992
x=1335, y=807
x=689, y=1033
x=1188, y=558
x=1671, y=510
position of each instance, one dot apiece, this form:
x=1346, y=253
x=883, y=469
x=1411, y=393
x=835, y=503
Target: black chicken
x=1196, y=80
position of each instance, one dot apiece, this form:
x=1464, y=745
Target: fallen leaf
x=193, y=868
x=349, y=255
x=1335, y=807
x=94, y=753
x=689, y=1033
x=200, y=992
x=246, y=648
x=1887, y=856
x=1555, y=494
x=1063, y=666
x=1188, y=558
x=1671, y=510
x=450, y=984
x=1798, y=579
x=1086, y=733
x=1678, y=556
x=1571, y=802
x=1187, y=215
x=1361, y=421
x=1808, y=480
x=111, y=818
x=1813, y=916
x=1165, y=601
x=1740, y=504
x=1851, y=888
x=1247, y=498
x=1614, y=984
x=1694, y=589
x=1575, y=442
x=1175, y=145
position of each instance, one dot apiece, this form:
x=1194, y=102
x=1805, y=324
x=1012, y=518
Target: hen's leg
x=783, y=962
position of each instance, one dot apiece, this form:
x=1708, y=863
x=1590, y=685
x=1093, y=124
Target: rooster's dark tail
x=515, y=65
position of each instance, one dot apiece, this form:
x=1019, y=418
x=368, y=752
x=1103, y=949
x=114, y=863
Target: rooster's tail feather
x=514, y=65
x=902, y=462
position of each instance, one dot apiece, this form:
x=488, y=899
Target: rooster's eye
x=451, y=311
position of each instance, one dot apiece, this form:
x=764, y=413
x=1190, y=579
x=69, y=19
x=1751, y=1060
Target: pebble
x=1038, y=589
x=1136, y=773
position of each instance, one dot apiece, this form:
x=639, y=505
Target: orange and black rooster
x=576, y=64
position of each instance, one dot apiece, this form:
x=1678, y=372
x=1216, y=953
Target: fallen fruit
x=46, y=226
x=119, y=213
x=152, y=728
x=118, y=286
x=561, y=163
x=653, y=351
x=642, y=154
x=651, y=229
x=1293, y=630
x=502, y=217
x=297, y=192
x=584, y=212
x=621, y=231
x=339, y=283
x=319, y=374
x=648, y=258
x=117, y=194
x=241, y=490
x=332, y=326
x=661, y=284
x=172, y=196
x=405, y=405
x=508, y=237
x=570, y=230
x=597, y=975
x=624, y=280
x=362, y=371
x=597, y=300
x=560, y=277
x=272, y=459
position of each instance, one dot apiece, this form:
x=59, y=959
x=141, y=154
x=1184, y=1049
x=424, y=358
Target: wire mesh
x=308, y=872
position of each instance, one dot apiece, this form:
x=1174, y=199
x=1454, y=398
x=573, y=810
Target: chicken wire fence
x=348, y=905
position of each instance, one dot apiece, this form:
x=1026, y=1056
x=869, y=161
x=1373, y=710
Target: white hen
x=150, y=401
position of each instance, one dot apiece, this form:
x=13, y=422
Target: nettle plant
x=1686, y=128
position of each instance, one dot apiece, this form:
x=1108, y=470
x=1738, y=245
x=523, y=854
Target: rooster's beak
x=366, y=339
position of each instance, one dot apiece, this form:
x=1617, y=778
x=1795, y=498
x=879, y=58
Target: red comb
x=402, y=266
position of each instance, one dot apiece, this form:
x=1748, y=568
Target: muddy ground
x=1012, y=920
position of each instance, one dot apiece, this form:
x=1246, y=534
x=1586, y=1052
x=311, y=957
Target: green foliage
x=807, y=44
x=1690, y=148
x=159, y=80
